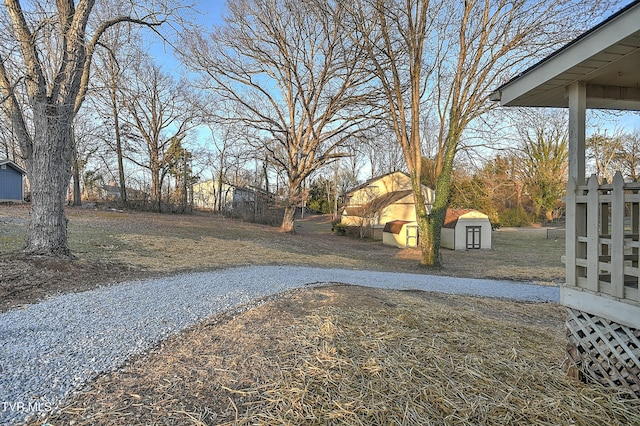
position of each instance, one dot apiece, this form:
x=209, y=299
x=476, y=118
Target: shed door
x=412, y=236
x=473, y=237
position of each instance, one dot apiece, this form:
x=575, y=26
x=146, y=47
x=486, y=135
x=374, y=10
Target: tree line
x=287, y=89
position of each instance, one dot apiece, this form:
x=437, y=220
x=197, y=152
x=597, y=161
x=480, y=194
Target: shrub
x=514, y=217
x=338, y=228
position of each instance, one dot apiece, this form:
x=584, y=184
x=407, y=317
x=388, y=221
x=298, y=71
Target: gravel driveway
x=51, y=349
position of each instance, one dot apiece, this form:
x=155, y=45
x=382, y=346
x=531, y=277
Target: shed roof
x=453, y=215
x=606, y=58
x=395, y=226
x=13, y=166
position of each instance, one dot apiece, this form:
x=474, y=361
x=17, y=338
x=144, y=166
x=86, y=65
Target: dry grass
x=113, y=246
x=332, y=355
x=160, y=243
x=313, y=356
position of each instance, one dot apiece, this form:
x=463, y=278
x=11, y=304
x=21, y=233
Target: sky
x=211, y=10
x=210, y=13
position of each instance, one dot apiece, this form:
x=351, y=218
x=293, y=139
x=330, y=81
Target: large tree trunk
x=156, y=189
x=441, y=201
x=295, y=192
x=288, y=224
x=423, y=219
x=49, y=172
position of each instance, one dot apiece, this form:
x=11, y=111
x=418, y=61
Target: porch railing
x=603, y=238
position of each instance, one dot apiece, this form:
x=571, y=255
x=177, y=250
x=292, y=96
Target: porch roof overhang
x=606, y=59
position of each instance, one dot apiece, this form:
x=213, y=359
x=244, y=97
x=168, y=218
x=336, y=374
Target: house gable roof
x=378, y=203
x=13, y=166
x=374, y=179
x=605, y=58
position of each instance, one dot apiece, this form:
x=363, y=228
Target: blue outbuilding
x=11, y=181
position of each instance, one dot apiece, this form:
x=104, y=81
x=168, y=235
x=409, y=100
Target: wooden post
x=593, y=235
x=576, y=224
x=570, y=233
x=577, y=93
x=617, y=236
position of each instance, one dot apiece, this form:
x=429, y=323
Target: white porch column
x=576, y=215
x=577, y=94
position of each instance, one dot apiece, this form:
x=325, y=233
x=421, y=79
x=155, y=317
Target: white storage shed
x=466, y=229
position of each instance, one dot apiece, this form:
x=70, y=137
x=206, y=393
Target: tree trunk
x=265, y=171
x=121, y=176
x=219, y=194
x=441, y=202
x=185, y=195
x=288, y=219
x=422, y=217
x=156, y=190
x=49, y=171
x=295, y=192
x=77, y=196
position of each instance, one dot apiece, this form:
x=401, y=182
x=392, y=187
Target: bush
x=338, y=228
x=515, y=217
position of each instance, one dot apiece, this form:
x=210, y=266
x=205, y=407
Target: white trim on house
x=13, y=165
x=606, y=59
x=602, y=306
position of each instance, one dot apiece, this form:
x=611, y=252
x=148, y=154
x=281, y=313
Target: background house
x=380, y=200
x=206, y=197
x=11, y=181
x=231, y=197
x=111, y=192
x=466, y=229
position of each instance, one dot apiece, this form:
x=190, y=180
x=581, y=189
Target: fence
x=603, y=245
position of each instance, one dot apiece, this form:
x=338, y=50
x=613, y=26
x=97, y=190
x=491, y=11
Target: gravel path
x=51, y=349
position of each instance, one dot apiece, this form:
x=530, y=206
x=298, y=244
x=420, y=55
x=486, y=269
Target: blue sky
x=209, y=13
x=211, y=9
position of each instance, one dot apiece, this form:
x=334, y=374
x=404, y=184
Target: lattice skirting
x=604, y=351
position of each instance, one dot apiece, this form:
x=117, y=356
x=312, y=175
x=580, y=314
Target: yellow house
x=380, y=200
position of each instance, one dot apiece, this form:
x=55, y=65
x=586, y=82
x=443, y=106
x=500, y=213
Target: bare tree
x=45, y=61
x=85, y=145
x=451, y=55
x=9, y=148
x=228, y=151
x=612, y=151
x=393, y=34
x=120, y=53
x=159, y=114
x=295, y=77
x=544, y=159
x=629, y=158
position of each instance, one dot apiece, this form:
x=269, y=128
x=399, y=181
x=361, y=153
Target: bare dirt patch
x=313, y=356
